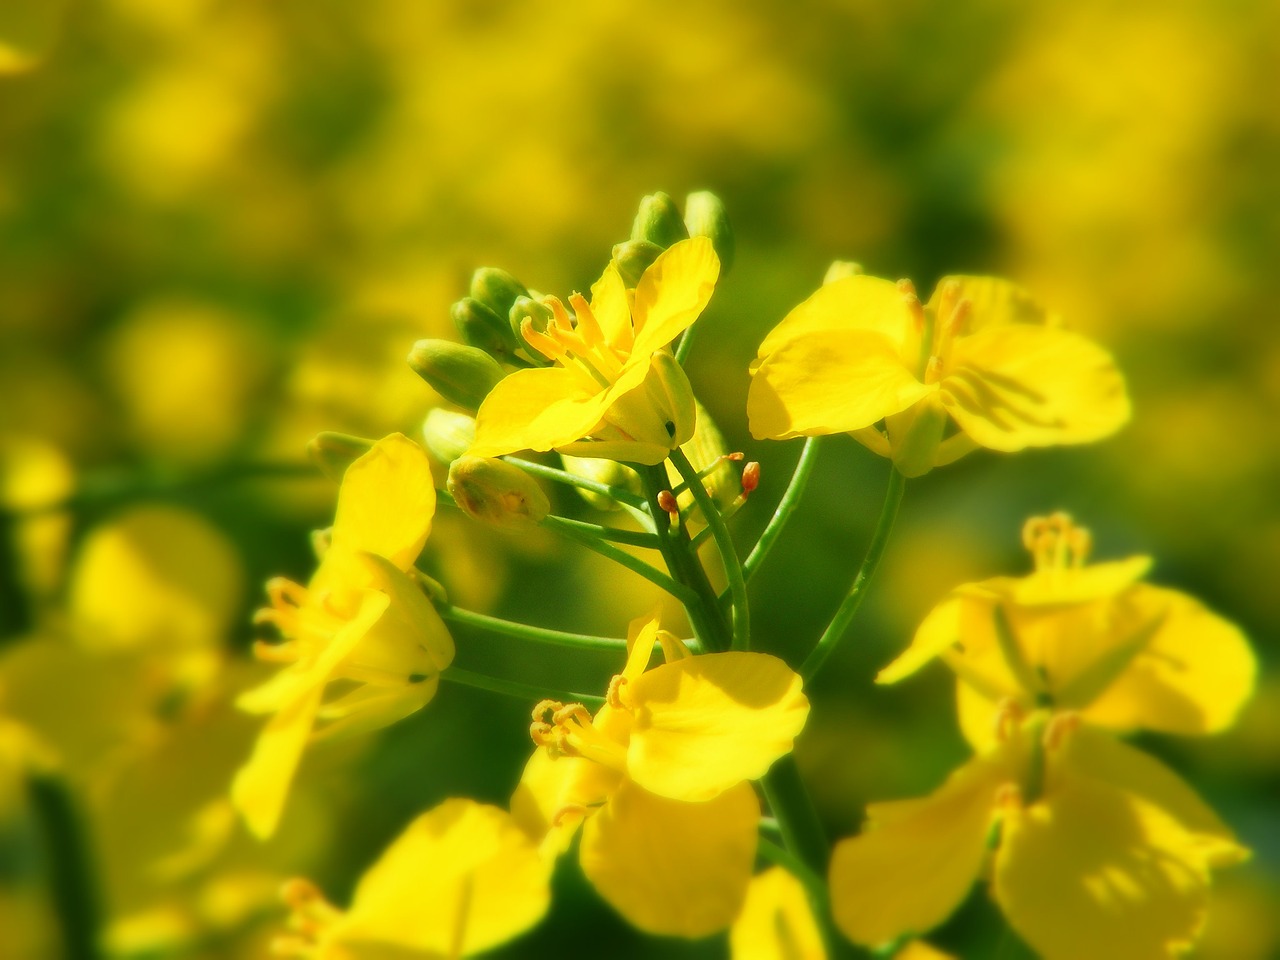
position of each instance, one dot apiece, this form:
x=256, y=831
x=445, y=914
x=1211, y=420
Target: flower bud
x=481, y=327
x=448, y=433
x=633, y=258
x=496, y=492
x=496, y=289
x=704, y=216
x=658, y=221
x=334, y=452
x=609, y=472
x=840, y=269
x=462, y=375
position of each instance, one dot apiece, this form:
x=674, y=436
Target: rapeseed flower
x=361, y=620
x=979, y=365
x=657, y=780
x=614, y=391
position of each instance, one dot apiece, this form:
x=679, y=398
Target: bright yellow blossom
x=361, y=619
x=461, y=879
x=776, y=922
x=614, y=391
x=979, y=365
x=659, y=775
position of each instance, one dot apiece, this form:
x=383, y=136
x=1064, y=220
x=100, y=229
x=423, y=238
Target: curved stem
x=582, y=483
x=741, y=621
x=634, y=564
x=685, y=344
x=514, y=688
x=70, y=878
x=524, y=631
x=786, y=507
x=858, y=589
x=636, y=538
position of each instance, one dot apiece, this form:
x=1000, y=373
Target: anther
x=1008, y=797
x=1059, y=728
x=750, y=477
x=546, y=345
x=1009, y=714
x=667, y=501
x=613, y=696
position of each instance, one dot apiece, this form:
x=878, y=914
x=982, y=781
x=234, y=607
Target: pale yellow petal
x=1191, y=677
x=537, y=410
x=1065, y=585
x=555, y=795
x=673, y=292
x=776, y=922
x=706, y=723
x=261, y=786
x=673, y=868
x=856, y=304
x=994, y=302
x=386, y=503
x=409, y=641
x=460, y=879
x=916, y=860
x=612, y=309
x=1096, y=872
x=829, y=382
x=977, y=714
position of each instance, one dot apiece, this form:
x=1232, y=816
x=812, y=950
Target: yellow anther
x=613, y=696
x=933, y=369
x=283, y=592
x=569, y=810
x=549, y=347
x=912, y=301
x=543, y=707
x=286, y=652
x=1056, y=542
x=1059, y=728
x=588, y=326
x=1009, y=714
x=560, y=318
x=1008, y=798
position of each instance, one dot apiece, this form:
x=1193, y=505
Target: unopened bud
x=334, y=452
x=840, y=269
x=633, y=258
x=609, y=472
x=448, y=434
x=480, y=327
x=496, y=289
x=462, y=375
x=705, y=216
x=496, y=492
x=658, y=221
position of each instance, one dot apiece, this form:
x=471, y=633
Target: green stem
x=70, y=876
x=582, y=483
x=814, y=884
x=636, y=538
x=858, y=590
x=514, y=688
x=685, y=344
x=634, y=564
x=524, y=631
x=786, y=507
x=741, y=620
x=702, y=607
x=791, y=806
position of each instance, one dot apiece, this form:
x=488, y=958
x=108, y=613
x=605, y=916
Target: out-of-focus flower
x=361, y=619
x=980, y=355
x=461, y=879
x=776, y=922
x=659, y=775
x=35, y=478
x=28, y=31
x=614, y=391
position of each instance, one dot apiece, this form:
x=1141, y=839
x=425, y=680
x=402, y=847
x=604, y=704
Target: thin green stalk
x=582, y=483
x=524, y=631
x=741, y=619
x=786, y=507
x=858, y=590
x=636, y=538
x=634, y=564
x=791, y=806
x=72, y=890
x=702, y=607
x=514, y=688
x=685, y=344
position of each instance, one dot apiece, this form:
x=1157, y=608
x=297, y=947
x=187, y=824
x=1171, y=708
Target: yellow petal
x=706, y=723
x=673, y=868
x=386, y=503
x=555, y=795
x=829, y=382
x=776, y=922
x=916, y=860
x=460, y=879
x=1021, y=386
x=995, y=302
x=536, y=410
x=1064, y=585
x=1191, y=677
x=261, y=786
x=649, y=412
x=410, y=640
x=673, y=292
x=856, y=304
x=1096, y=872
x=612, y=310
x=977, y=714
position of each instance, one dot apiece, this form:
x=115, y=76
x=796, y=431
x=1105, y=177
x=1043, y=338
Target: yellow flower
x=361, y=619
x=461, y=879
x=614, y=391
x=1101, y=851
x=1090, y=638
x=776, y=922
x=659, y=775
x=980, y=354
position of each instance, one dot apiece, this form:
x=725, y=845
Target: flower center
x=567, y=730
x=576, y=344
x=311, y=917
x=1056, y=543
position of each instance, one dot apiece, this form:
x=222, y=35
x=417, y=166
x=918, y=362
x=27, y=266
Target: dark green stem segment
x=703, y=607
x=71, y=886
x=622, y=558
x=514, y=688
x=582, y=483
x=786, y=507
x=636, y=538
x=797, y=818
x=858, y=590
x=524, y=631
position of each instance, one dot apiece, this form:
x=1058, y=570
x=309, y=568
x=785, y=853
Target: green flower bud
x=334, y=452
x=496, y=492
x=448, y=434
x=840, y=269
x=658, y=221
x=538, y=314
x=633, y=258
x=496, y=289
x=462, y=375
x=481, y=327
x=609, y=472
x=704, y=216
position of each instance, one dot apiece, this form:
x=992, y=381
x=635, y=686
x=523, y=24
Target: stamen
x=1008, y=798
x=569, y=810
x=1009, y=714
x=588, y=325
x=667, y=501
x=1059, y=728
x=286, y=652
x=559, y=315
x=750, y=477
x=549, y=347
x=912, y=300
x=613, y=696
x=1056, y=543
